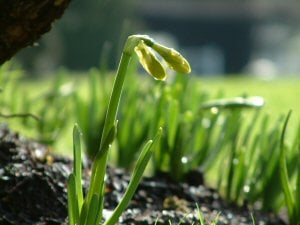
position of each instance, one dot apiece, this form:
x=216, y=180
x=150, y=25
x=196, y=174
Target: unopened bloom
x=149, y=61
x=174, y=59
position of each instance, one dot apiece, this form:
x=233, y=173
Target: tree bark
x=22, y=22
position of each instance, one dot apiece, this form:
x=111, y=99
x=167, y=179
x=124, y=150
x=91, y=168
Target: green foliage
x=44, y=113
x=54, y=119
x=90, y=111
x=239, y=147
x=89, y=210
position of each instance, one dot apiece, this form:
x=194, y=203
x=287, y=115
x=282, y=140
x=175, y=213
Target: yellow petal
x=174, y=59
x=149, y=61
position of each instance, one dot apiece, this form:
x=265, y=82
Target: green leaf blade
x=135, y=179
x=77, y=164
x=287, y=190
x=72, y=201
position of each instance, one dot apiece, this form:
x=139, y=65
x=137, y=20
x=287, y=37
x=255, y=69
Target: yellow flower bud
x=149, y=61
x=174, y=59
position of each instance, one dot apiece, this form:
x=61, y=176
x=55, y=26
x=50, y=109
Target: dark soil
x=33, y=191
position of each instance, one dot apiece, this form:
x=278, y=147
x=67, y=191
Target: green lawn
x=281, y=94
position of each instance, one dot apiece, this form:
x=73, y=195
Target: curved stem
x=100, y=162
x=115, y=98
x=99, y=165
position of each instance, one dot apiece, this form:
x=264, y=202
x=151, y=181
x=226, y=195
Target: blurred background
x=257, y=37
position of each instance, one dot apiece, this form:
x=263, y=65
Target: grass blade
x=72, y=201
x=287, y=190
x=93, y=211
x=200, y=215
x=83, y=213
x=135, y=179
x=216, y=219
x=172, y=118
x=77, y=164
x=253, y=220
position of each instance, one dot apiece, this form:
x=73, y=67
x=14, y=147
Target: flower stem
x=115, y=98
x=100, y=163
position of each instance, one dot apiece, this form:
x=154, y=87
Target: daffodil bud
x=149, y=61
x=174, y=59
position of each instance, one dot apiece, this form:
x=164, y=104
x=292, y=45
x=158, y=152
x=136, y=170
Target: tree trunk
x=22, y=22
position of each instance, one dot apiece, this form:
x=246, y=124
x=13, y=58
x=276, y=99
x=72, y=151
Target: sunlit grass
x=280, y=93
x=238, y=149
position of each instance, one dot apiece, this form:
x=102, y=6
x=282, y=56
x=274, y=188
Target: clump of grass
x=53, y=120
x=90, y=111
x=231, y=141
x=88, y=210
